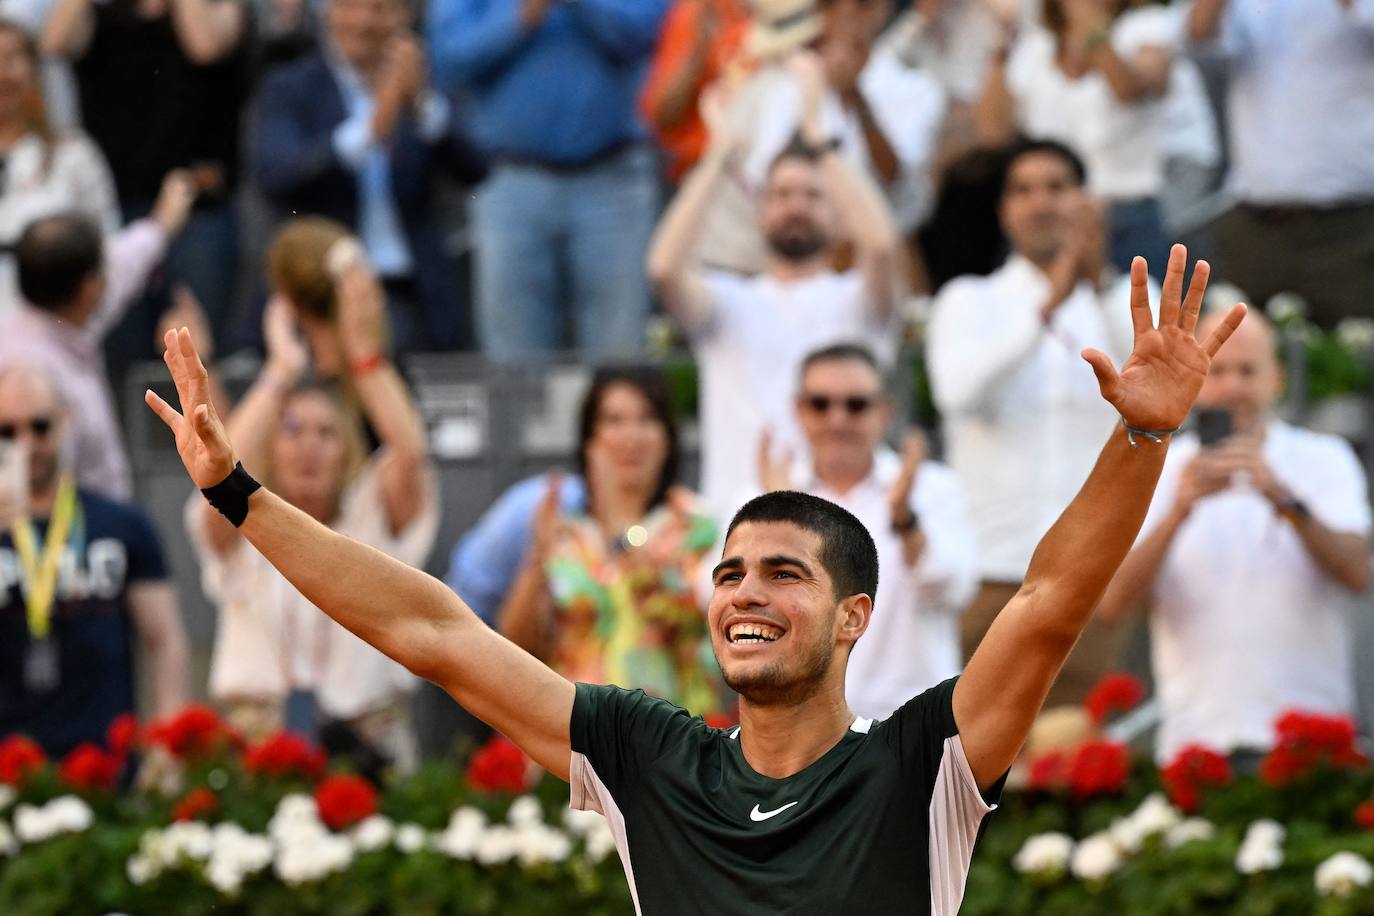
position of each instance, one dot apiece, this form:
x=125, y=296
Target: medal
x=42, y=664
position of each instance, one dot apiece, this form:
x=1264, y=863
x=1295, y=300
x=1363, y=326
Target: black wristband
x=230, y=495
x=906, y=523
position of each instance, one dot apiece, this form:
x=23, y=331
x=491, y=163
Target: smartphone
x=14, y=482
x=1213, y=425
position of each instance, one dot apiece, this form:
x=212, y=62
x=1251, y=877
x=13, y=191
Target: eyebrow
x=772, y=562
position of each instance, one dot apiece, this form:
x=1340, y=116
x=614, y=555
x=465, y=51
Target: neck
x=841, y=476
x=789, y=271
x=621, y=506
x=12, y=130
x=779, y=740
x=41, y=499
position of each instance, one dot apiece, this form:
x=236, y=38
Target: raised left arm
x=1006, y=682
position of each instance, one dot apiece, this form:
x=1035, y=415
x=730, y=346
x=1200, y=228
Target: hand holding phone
x=1213, y=425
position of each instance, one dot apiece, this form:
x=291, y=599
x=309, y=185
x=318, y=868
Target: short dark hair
x=847, y=549
x=797, y=149
x=55, y=255
x=1030, y=146
x=650, y=382
x=841, y=352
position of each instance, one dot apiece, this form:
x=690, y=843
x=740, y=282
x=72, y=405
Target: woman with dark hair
x=606, y=596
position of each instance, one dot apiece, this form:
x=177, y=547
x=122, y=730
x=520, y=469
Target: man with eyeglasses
x=82, y=581
x=914, y=509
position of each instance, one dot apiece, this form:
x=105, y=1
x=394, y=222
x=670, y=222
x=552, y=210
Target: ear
x=853, y=617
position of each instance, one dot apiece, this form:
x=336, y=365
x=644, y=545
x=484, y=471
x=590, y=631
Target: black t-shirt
x=151, y=109
x=111, y=546
x=884, y=822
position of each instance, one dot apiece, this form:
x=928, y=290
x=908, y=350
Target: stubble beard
x=772, y=686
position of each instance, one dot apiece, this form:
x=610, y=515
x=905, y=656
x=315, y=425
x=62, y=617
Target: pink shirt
x=73, y=355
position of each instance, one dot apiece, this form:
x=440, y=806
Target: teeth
x=753, y=632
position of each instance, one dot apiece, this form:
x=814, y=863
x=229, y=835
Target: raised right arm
x=1204, y=19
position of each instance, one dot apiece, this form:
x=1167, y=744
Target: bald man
x=82, y=583
x=1250, y=547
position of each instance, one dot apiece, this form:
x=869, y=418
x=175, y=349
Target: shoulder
x=937, y=478
x=1316, y=450
x=961, y=292
x=297, y=75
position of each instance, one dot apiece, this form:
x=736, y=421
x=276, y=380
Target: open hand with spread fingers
x=1160, y=380
x=201, y=441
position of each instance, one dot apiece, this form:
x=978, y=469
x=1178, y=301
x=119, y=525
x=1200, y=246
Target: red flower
x=1048, y=771
x=19, y=759
x=196, y=803
x=499, y=767
x=285, y=754
x=345, y=800
x=722, y=720
x=1114, y=693
x=194, y=732
x=1193, y=768
x=1306, y=741
x=123, y=734
x=1364, y=815
x=88, y=768
x=1099, y=767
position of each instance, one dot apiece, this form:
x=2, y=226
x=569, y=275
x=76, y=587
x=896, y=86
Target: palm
x=1160, y=380
x=200, y=437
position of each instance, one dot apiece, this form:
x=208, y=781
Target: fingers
x=166, y=412
x=1224, y=329
x=197, y=379
x=1171, y=294
x=1192, y=306
x=171, y=355
x=1107, y=379
x=1141, y=318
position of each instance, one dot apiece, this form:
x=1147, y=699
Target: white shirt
x=955, y=48
x=270, y=640
x=1124, y=145
x=1024, y=417
x=908, y=106
x=749, y=354
x=1245, y=625
x=1301, y=100
x=912, y=642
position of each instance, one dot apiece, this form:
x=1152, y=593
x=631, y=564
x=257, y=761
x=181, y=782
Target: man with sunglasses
x=912, y=506
x=82, y=580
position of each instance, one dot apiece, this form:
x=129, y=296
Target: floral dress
x=626, y=614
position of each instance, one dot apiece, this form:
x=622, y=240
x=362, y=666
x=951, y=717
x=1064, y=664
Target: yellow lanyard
x=40, y=571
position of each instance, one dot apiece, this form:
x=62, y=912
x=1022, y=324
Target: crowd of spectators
x=805, y=189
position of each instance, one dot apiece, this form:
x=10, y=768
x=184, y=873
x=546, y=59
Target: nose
x=749, y=593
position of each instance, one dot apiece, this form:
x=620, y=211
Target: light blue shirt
x=488, y=558
x=379, y=222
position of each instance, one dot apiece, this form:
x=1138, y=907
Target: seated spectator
x=1300, y=114
x=1023, y=416
x=83, y=587
x=883, y=117
x=277, y=661
x=749, y=334
x=606, y=595
x=163, y=85
x=1103, y=79
x=46, y=170
x=913, y=508
x=76, y=287
x=561, y=224
x=700, y=42
x=1256, y=535
x=354, y=132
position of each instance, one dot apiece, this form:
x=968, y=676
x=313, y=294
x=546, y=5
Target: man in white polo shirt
x=914, y=509
x=750, y=333
x=1248, y=552
x=1021, y=414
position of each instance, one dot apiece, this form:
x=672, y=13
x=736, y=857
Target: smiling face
x=779, y=632
x=844, y=413
x=629, y=436
x=310, y=451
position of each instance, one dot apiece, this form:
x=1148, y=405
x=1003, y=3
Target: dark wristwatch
x=906, y=522
x=1294, y=509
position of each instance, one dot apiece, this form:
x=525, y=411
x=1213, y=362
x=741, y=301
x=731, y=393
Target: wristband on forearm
x=230, y=496
x=1155, y=434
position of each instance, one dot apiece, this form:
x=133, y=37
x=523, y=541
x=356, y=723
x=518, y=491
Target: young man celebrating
x=803, y=806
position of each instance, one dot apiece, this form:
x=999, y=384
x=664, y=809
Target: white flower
x=1286, y=306
x=600, y=842
x=191, y=839
x=464, y=835
x=313, y=857
x=33, y=825
x=1341, y=874
x=70, y=814
x=140, y=870
x=410, y=838
x=1262, y=848
x=539, y=844
x=1095, y=857
x=226, y=878
x=1044, y=854
x=1186, y=831
x=7, y=795
x=580, y=822
x=8, y=844
x=498, y=844
x=1155, y=815
x=295, y=807
x=1354, y=333
x=247, y=853
x=525, y=811
x=373, y=833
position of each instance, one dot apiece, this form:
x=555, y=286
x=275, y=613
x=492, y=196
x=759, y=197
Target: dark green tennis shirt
x=884, y=822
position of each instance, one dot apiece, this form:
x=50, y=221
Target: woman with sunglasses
x=606, y=596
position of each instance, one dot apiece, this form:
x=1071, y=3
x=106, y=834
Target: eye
x=783, y=573
x=726, y=577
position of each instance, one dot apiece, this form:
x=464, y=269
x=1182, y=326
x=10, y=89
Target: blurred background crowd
x=533, y=294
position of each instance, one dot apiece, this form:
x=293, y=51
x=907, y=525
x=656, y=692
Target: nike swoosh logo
x=757, y=815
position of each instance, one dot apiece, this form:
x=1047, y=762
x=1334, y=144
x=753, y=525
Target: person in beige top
x=277, y=662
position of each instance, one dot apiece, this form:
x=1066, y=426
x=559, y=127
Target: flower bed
x=270, y=829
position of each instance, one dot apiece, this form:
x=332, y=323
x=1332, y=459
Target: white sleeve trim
x=957, y=809
x=589, y=793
